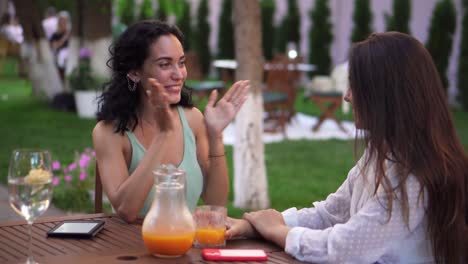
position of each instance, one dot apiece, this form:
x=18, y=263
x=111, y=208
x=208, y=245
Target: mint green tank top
x=193, y=173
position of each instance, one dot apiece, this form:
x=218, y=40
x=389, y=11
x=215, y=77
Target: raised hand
x=158, y=99
x=219, y=114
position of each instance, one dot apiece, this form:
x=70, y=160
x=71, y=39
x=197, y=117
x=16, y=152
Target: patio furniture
x=279, y=94
x=118, y=242
x=328, y=103
x=201, y=90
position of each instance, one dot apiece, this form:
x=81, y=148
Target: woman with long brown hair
x=406, y=199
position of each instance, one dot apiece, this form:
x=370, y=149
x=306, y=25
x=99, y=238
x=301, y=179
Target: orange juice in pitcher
x=168, y=229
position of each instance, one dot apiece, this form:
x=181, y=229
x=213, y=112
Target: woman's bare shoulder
x=194, y=118
x=104, y=132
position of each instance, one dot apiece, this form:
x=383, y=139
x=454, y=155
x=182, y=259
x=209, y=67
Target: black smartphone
x=77, y=229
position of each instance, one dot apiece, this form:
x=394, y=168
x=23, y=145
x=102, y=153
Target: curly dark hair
x=118, y=104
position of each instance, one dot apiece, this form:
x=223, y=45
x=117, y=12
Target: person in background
x=59, y=42
x=11, y=29
x=406, y=199
x=146, y=118
x=49, y=23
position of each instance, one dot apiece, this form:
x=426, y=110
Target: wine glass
x=30, y=186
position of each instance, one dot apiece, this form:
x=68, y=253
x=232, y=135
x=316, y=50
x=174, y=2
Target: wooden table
x=328, y=103
x=118, y=242
x=202, y=90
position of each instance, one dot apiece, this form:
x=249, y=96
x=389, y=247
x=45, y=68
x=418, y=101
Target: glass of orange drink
x=210, y=226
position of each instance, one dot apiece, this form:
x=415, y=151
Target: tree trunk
x=36, y=50
x=250, y=181
x=97, y=33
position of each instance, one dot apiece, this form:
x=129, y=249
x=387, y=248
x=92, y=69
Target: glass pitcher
x=168, y=229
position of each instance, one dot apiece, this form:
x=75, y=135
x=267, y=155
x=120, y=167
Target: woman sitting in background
x=406, y=199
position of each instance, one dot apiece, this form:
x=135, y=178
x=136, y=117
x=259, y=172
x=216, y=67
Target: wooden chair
x=328, y=103
x=97, y=192
x=193, y=66
x=280, y=94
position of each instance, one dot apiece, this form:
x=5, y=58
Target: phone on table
x=213, y=254
x=77, y=229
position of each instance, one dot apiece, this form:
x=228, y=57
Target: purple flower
x=93, y=153
x=65, y=170
x=72, y=166
x=55, y=181
x=84, y=160
x=56, y=165
x=83, y=176
x=67, y=178
x=85, y=53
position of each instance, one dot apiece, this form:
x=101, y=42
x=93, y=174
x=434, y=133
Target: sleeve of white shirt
x=364, y=238
x=334, y=210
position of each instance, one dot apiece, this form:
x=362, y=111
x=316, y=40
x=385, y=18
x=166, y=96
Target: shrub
x=81, y=77
x=73, y=182
x=203, y=37
x=268, y=28
x=320, y=37
x=362, y=18
x=463, y=60
x=226, y=32
x=439, y=43
x=184, y=24
x=400, y=18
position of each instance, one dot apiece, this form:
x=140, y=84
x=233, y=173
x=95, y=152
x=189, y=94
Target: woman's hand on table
x=270, y=224
x=239, y=228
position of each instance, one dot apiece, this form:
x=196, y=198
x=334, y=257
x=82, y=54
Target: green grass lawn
x=311, y=168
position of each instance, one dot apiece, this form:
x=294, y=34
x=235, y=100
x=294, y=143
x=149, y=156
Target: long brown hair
x=399, y=101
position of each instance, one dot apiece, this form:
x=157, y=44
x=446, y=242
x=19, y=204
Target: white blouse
x=351, y=226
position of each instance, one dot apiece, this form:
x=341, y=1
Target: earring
x=133, y=87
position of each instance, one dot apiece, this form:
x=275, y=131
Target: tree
x=126, y=11
x=268, y=29
x=439, y=43
x=161, y=12
x=97, y=33
x=399, y=21
x=250, y=182
x=226, y=32
x=146, y=10
x=362, y=18
x=203, y=37
x=289, y=30
x=170, y=7
x=463, y=59
x=43, y=73
x=184, y=24
x=320, y=37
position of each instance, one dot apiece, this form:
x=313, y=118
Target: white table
x=232, y=64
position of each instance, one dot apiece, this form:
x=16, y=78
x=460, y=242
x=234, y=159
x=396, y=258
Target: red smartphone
x=234, y=254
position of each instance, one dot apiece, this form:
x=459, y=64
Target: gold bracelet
x=217, y=156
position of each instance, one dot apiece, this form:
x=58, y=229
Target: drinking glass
x=30, y=186
x=210, y=226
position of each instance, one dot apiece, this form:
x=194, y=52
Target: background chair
x=280, y=93
x=327, y=93
x=97, y=192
